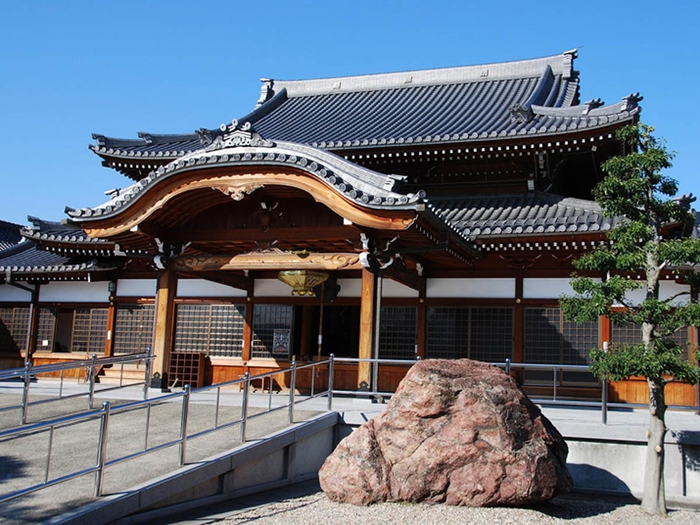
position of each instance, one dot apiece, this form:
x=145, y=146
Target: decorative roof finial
x=266, y=91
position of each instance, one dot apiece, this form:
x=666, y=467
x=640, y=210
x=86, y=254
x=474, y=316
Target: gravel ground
x=317, y=509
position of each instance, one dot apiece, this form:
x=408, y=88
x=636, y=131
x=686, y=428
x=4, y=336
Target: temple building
x=429, y=213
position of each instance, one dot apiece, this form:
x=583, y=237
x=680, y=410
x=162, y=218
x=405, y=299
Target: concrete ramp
x=282, y=458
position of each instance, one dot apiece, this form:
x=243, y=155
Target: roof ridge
x=561, y=64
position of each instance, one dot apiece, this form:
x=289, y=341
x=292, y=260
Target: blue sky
x=72, y=68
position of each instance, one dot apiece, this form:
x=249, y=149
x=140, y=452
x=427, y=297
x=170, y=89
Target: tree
x=650, y=237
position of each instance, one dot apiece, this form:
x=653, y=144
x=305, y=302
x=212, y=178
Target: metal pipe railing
x=92, y=365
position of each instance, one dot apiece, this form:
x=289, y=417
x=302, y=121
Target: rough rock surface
x=459, y=432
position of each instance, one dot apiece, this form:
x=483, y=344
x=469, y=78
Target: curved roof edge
x=241, y=146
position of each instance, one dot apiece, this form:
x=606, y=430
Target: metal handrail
x=108, y=412
x=92, y=365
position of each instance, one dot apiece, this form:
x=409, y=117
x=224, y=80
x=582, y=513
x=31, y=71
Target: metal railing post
x=216, y=413
x=507, y=366
x=60, y=385
x=102, y=449
x=244, y=406
x=25, y=393
x=292, y=387
x=555, y=384
x=313, y=378
x=183, y=424
x=147, y=379
x=91, y=392
x=604, y=401
x=269, y=394
x=330, y=381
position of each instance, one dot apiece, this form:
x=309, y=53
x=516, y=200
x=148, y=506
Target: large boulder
x=456, y=431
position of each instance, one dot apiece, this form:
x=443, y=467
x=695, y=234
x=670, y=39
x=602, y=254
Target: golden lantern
x=302, y=281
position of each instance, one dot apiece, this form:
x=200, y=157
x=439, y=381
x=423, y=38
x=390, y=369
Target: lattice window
x=491, y=334
x=397, y=334
x=133, y=328
x=448, y=333
x=543, y=338
x=632, y=334
x=89, y=330
x=479, y=333
x=211, y=329
x=550, y=339
x=271, y=323
x=14, y=324
x=46, y=329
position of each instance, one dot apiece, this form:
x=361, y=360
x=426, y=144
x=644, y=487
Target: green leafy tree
x=650, y=237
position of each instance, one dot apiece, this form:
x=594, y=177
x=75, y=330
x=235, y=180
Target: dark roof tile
x=9, y=235
x=522, y=213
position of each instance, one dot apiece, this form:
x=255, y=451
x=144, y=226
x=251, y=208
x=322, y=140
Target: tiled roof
x=512, y=99
x=532, y=213
x=9, y=234
x=242, y=146
x=42, y=230
x=152, y=145
x=28, y=258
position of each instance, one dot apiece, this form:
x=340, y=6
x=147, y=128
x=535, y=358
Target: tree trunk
x=654, y=498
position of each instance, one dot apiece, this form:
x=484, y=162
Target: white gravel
x=318, y=509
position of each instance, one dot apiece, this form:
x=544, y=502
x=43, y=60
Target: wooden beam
x=263, y=236
x=268, y=261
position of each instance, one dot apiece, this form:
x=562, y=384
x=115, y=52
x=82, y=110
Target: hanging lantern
x=302, y=281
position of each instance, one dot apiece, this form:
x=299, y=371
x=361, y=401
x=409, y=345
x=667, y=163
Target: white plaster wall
x=136, y=288
x=350, y=287
x=203, y=288
x=11, y=293
x=391, y=288
x=74, y=292
x=666, y=289
x=473, y=288
x=543, y=288
x=271, y=288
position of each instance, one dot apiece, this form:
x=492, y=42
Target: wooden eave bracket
x=405, y=277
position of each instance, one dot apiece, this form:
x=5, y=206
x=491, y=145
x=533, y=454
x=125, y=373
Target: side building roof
x=9, y=235
x=521, y=214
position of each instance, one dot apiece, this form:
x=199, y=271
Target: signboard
x=280, y=342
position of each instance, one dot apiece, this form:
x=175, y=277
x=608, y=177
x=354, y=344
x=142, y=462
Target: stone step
x=128, y=374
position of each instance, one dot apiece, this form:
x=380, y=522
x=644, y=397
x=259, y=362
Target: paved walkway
x=75, y=446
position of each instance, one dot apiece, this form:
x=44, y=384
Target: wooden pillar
x=369, y=284
x=519, y=321
x=165, y=309
x=111, y=320
x=248, y=331
x=421, y=329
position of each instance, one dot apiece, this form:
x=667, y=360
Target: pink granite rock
x=459, y=432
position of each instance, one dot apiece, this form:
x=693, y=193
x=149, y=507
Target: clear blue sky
x=72, y=68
